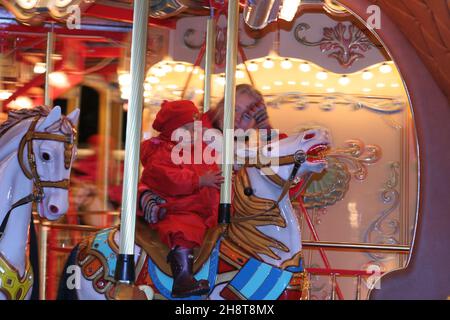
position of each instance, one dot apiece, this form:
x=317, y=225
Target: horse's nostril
x=54, y=209
x=309, y=136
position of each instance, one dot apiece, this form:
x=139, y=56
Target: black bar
x=125, y=268
x=224, y=213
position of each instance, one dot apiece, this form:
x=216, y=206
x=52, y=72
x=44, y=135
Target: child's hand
x=211, y=179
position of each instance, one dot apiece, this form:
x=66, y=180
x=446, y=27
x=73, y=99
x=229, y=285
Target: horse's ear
x=74, y=116
x=52, y=117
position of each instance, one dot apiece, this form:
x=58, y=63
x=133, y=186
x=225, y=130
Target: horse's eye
x=46, y=156
x=269, y=149
x=309, y=136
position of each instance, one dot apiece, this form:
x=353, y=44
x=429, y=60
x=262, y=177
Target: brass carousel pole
x=49, y=67
x=209, y=61
x=229, y=105
x=125, y=269
x=43, y=231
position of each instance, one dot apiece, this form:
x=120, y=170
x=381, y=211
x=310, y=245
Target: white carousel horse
x=264, y=232
x=37, y=148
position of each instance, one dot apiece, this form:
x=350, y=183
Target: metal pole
x=209, y=62
x=228, y=117
x=358, y=288
x=333, y=287
x=359, y=246
x=125, y=263
x=42, y=260
x=48, y=67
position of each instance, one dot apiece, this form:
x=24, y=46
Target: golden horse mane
x=250, y=212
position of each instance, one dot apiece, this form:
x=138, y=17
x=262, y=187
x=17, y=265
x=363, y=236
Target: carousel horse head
x=45, y=154
x=305, y=149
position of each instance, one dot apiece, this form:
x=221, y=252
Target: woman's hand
x=211, y=179
x=259, y=112
x=150, y=204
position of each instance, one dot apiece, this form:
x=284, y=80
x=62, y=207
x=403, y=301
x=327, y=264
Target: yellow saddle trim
x=14, y=287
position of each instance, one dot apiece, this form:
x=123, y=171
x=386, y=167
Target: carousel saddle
x=149, y=241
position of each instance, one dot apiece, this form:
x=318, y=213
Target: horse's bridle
x=37, y=194
x=298, y=158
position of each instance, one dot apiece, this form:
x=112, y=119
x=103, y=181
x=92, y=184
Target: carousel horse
x=257, y=256
x=37, y=148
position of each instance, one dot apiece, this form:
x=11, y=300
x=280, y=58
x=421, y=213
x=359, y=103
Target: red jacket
x=191, y=209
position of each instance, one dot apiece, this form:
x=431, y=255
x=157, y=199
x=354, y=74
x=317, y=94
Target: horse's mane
x=16, y=116
x=249, y=213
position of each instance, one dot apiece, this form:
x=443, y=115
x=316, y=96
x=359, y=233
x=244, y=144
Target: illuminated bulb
x=221, y=80
x=330, y=90
x=39, y=68
x=395, y=85
x=124, y=79
x=305, y=83
x=240, y=74
x=159, y=88
x=189, y=69
x=199, y=91
x=146, y=94
x=179, y=67
x=172, y=86
x=344, y=80
x=201, y=77
x=195, y=70
x=385, y=68
x=253, y=66
x=292, y=83
x=366, y=89
x=159, y=71
x=305, y=67
x=319, y=85
x=381, y=85
x=268, y=63
x=59, y=79
x=278, y=83
x=23, y=103
x=167, y=67
x=265, y=87
x=289, y=9
x=367, y=75
x=153, y=79
x=321, y=75
x=5, y=95
x=286, y=64
x=147, y=87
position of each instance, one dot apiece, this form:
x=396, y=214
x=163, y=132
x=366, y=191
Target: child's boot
x=184, y=284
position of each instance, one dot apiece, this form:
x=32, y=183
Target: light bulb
x=289, y=9
x=305, y=83
x=292, y=83
x=331, y=90
x=286, y=64
x=158, y=71
x=153, y=79
x=59, y=79
x=124, y=79
x=265, y=88
x=40, y=67
x=344, y=80
x=23, y=103
x=5, y=94
x=278, y=83
x=381, y=85
x=167, y=67
x=240, y=74
x=366, y=89
x=385, y=68
x=322, y=75
x=305, y=67
x=253, y=66
x=268, y=63
x=367, y=75
x=179, y=67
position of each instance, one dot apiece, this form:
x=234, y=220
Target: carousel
x=328, y=121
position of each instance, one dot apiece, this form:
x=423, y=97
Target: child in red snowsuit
x=191, y=191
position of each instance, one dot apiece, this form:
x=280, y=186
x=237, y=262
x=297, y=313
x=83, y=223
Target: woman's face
x=243, y=119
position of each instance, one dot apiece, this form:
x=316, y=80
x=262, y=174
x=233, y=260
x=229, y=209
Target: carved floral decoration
x=347, y=43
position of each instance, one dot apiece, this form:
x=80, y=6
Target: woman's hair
x=244, y=88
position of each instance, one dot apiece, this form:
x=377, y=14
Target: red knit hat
x=174, y=114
